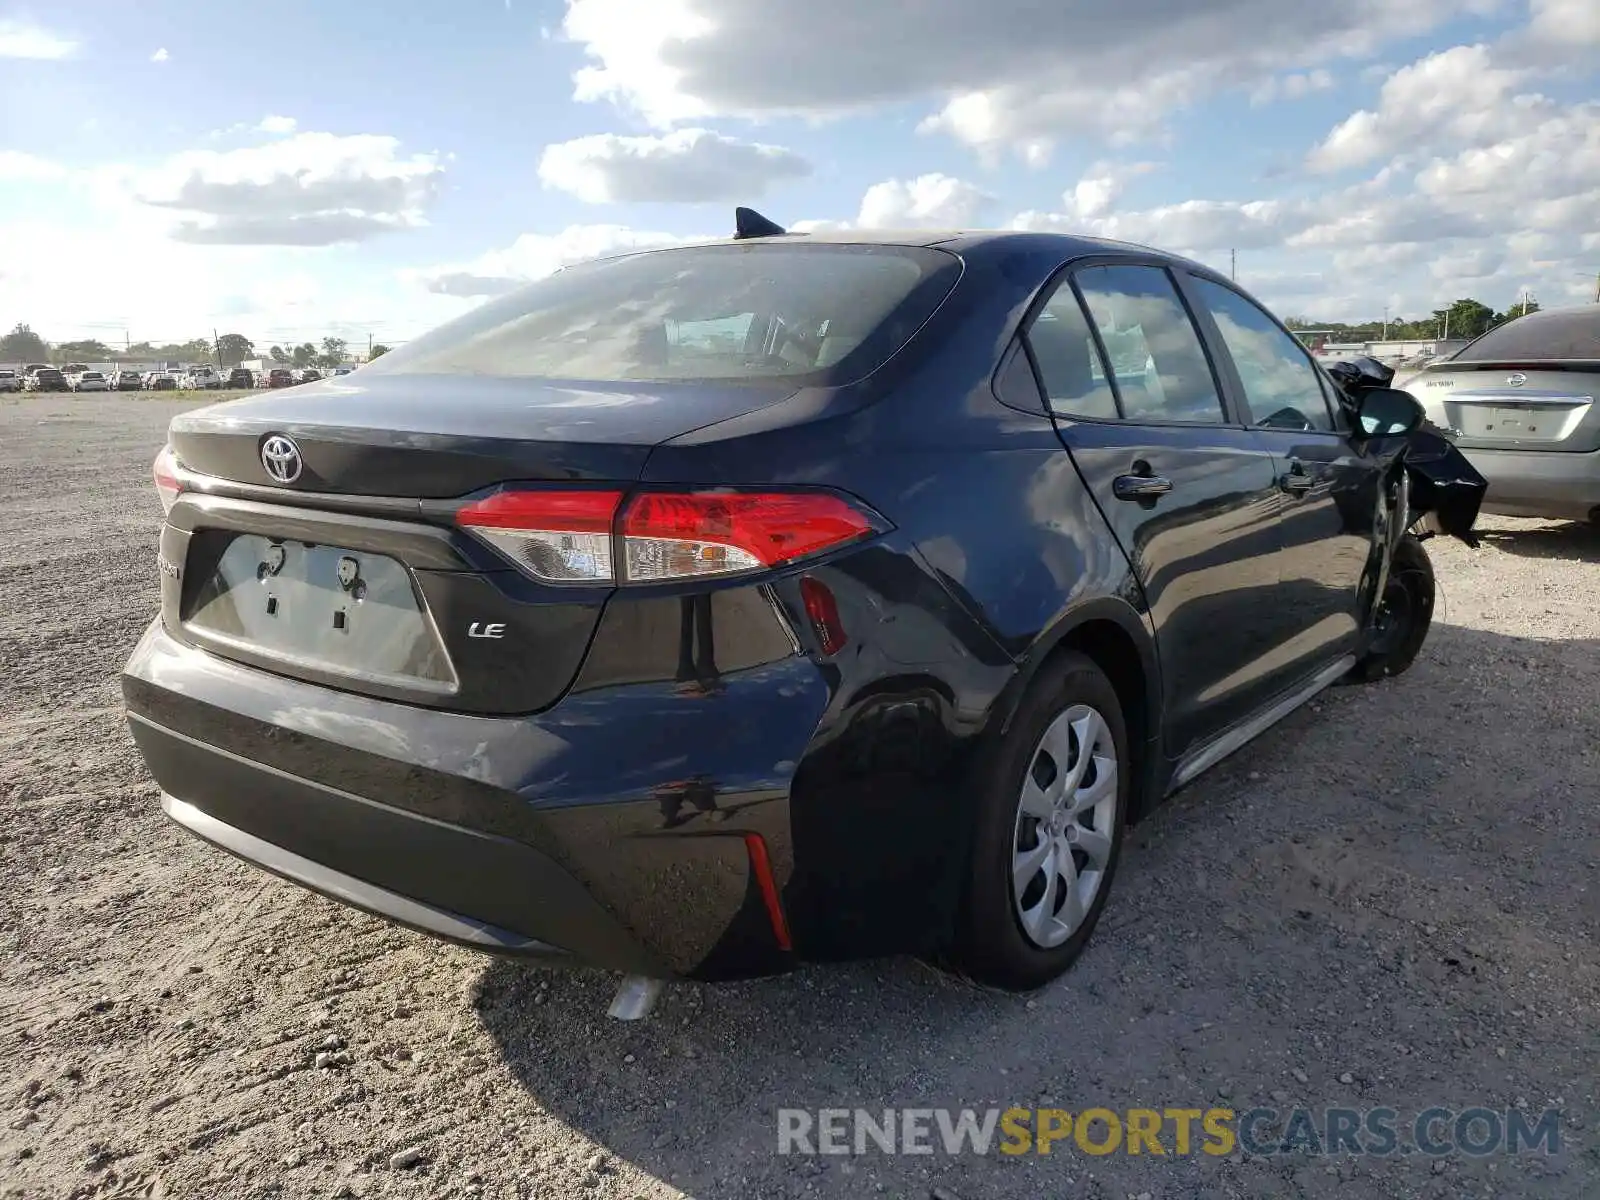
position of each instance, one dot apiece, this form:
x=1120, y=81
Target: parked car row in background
x=39, y=377
x=75, y=377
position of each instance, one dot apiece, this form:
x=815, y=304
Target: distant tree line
x=23, y=345
x=1463, y=319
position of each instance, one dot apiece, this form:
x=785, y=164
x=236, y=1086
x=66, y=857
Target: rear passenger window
x=1281, y=385
x=1155, y=353
x=1074, y=382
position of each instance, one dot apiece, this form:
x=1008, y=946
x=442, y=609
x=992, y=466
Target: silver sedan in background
x=1522, y=400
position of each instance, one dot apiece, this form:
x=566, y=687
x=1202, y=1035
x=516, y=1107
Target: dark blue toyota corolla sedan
x=703, y=611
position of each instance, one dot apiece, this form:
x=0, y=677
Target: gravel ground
x=1390, y=899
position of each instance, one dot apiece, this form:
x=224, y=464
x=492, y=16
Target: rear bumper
x=570, y=837
x=475, y=889
x=1539, y=483
x=359, y=893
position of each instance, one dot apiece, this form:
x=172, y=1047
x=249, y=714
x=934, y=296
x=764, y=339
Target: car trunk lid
x=1510, y=405
x=355, y=574
x=434, y=437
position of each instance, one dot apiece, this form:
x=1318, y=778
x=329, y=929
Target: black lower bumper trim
x=474, y=888
x=336, y=885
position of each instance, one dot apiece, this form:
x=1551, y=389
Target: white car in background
x=198, y=378
x=89, y=381
x=10, y=381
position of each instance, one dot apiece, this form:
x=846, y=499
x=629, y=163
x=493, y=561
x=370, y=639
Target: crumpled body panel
x=1445, y=486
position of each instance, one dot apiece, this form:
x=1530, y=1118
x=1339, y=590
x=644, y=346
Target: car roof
x=1577, y=316
x=973, y=244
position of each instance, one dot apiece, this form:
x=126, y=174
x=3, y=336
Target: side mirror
x=1387, y=412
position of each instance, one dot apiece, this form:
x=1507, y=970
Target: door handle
x=1140, y=487
x=1296, y=480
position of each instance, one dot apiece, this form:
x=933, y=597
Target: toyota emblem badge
x=281, y=457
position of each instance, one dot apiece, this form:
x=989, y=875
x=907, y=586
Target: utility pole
x=369, y=347
x=1233, y=265
x=1386, y=322
x=216, y=348
x=1597, y=287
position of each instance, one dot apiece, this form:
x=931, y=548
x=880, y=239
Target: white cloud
x=1190, y=227
x=1295, y=86
x=1005, y=73
x=686, y=166
x=1565, y=23
x=1101, y=187
x=23, y=39
x=931, y=201
x=1556, y=160
x=164, y=291
x=222, y=239
x=1469, y=179
x=533, y=256
x=1491, y=200
x=1457, y=96
x=627, y=39
x=160, y=56
x=926, y=202
x=309, y=189
x=15, y=165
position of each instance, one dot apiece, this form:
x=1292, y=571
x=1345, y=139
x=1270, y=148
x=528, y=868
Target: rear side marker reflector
x=823, y=612
x=761, y=868
x=567, y=536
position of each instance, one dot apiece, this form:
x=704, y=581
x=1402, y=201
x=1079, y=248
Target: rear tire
x=1049, y=831
x=1405, y=614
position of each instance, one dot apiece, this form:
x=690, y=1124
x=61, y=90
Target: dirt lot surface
x=1390, y=899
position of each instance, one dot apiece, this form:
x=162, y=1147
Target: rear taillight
x=557, y=537
x=568, y=536
x=681, y=536
x=165, y=473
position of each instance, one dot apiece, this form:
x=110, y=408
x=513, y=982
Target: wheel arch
x=1111, y=633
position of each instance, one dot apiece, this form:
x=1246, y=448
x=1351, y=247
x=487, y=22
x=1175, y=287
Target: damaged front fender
x=1446, y=491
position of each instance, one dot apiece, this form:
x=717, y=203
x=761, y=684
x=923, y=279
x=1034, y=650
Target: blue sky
x=293, y=168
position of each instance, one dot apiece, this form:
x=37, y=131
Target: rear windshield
x=794, y=312
x=1571, y=334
